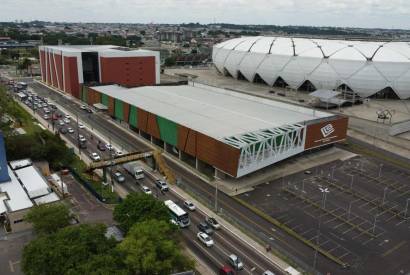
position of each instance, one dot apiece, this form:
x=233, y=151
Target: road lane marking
x=394, y=248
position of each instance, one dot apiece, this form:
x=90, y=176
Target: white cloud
x=361, y=13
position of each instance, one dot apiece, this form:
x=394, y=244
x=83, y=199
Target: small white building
x=26, y=188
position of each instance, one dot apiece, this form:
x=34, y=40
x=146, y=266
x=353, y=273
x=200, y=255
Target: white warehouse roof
x=16, y=198
x=34, y=183
x=216, y=112
x=366, y=67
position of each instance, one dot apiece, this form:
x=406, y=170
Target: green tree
x=139, y=207
x=106, y=264
x=48, y=218
x=69, y=251
x=170, y=61
x=150, y=248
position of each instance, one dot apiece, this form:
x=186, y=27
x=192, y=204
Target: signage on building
x=320, y=134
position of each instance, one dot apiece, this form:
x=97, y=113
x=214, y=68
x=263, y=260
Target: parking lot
x=356, y=210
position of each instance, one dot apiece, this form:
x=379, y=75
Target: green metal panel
x=168, y=130
x=84, y=94
x=119, y=109
x=104, y=100
x=132, y=120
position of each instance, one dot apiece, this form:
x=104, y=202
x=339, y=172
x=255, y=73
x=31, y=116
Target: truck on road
x=135, y=169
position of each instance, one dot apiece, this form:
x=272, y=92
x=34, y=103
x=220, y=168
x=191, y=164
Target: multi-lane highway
x=226, y=242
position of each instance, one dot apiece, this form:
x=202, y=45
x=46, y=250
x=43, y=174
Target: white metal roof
x=103, y=50
x=51, y=197
x=365, y=66
x=17, y=197
x=34, y=183
x=213, y=111
x=16, y=164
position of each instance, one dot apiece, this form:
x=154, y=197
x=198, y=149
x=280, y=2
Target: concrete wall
x=17, y=222
x=128, y=71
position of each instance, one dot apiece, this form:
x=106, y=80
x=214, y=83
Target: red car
x=226, y=270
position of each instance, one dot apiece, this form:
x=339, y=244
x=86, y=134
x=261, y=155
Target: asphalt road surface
x=225, y=242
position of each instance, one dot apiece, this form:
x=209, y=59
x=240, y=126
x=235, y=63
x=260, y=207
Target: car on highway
x=83, y=145
x=61, y=123
x=118, y=153
x=83, y=107
x=109, y=147
x=81, y=126
x=67, y=116
x=101, y=146
x=81, y=138
x=119, y=177
x=70, y=130
x=95, y=157
x=146, y=190
x=235, y=262
x=162, y=185
x=204, y=227
x=268, y=272
x=46, y=110
x=213, y=223
x=190, y=205
x=226, y=270
x=66, y=120
x=63, y=130
x=205, y=239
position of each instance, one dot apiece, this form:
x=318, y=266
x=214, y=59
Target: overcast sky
x=354, y=13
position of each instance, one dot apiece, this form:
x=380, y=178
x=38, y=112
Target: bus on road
x=178, y=215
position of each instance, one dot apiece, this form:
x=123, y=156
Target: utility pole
x=78, y=136
x=216, y=196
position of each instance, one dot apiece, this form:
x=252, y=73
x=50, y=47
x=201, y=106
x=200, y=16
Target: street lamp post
x=384, y=195
x=324, y=192
x=380, y=169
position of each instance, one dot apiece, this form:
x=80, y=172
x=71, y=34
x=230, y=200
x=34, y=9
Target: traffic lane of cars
x=225, y=243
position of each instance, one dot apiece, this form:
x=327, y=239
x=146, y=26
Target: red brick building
x=67, y=68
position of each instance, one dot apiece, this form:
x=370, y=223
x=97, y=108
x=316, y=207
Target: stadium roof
x=216, y=112
x=367, y=67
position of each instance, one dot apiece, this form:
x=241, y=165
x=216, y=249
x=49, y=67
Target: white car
x=61, y=123
x=81, y=126
x=95, y=157
x=109, y=146
x=83, y=107
x=189, y=205
x=119, y=153
x=213, y=223
x=70, y=130
x=205, y=239
x=235, y=262
x=67, y=116
x=46, y=117
x=146, y=190
x=66, y=120
x=81, y=138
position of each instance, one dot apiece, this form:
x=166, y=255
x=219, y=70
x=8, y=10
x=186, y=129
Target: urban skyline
x=341, y=13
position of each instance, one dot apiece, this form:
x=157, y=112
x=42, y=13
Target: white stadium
x=366, y=68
